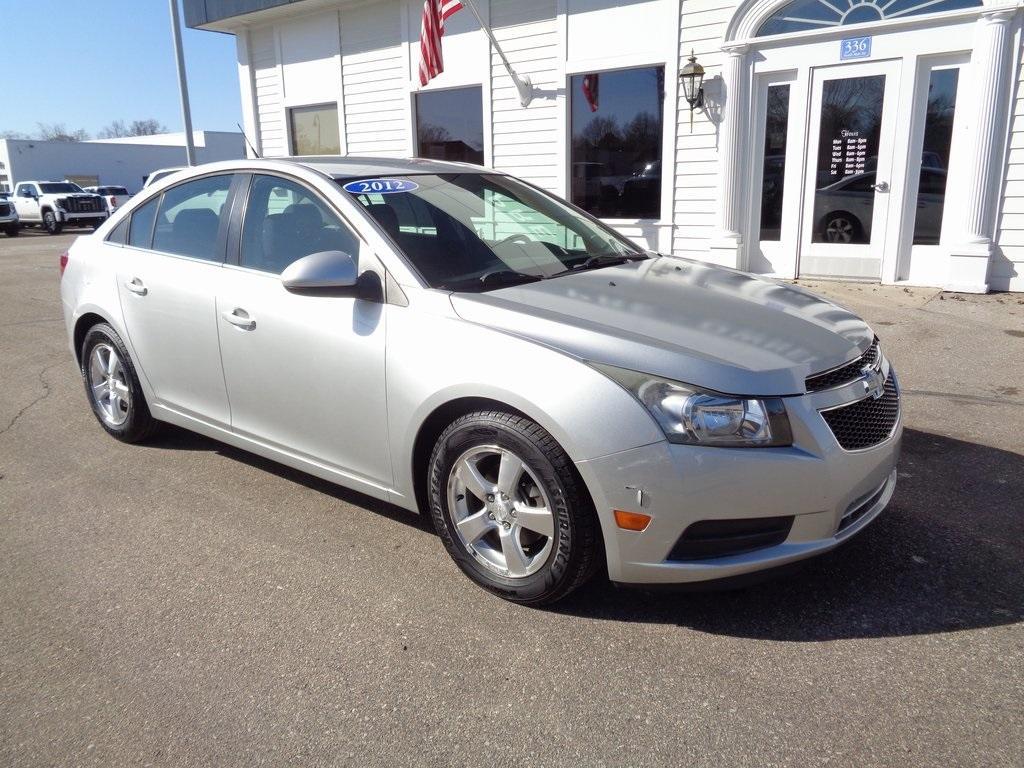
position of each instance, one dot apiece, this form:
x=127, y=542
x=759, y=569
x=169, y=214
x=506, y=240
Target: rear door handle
x=239, y=317
x=136, y=286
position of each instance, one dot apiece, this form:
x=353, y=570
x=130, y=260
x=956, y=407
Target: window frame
x=669, y=127
x=485, y=109
x=290, y=134
x=222, y=232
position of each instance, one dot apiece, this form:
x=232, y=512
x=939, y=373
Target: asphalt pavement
x=186, y=603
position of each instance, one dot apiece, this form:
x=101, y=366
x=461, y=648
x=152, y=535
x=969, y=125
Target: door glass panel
x=851, y=123
x=189, y=219
x=774, y=172
x=938, y=137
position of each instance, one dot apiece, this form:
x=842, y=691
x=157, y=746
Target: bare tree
x=118, y=129
x=59, y=132
x=13, y=135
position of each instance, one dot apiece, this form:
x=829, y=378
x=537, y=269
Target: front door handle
x=136, y=286
x=240, y=317
x=882, y=186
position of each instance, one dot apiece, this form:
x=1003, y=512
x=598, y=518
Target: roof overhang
x=231, y=15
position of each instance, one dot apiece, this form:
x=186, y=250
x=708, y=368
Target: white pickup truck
x=53, y=205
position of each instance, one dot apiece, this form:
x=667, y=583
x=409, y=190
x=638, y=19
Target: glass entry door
x=846, y=202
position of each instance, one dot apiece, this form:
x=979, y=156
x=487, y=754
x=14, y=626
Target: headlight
x=60, y=203
x=695, y=416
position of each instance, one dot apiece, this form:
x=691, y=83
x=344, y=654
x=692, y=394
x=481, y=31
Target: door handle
x=136, y=286
x=239, y=317
x=882, y=186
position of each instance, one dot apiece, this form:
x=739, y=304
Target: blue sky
x=117, y=62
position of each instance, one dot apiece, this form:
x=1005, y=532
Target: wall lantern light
x=692, y=78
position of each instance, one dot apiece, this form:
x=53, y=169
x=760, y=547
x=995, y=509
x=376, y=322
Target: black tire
x=139, y=423
x=576, y=545
x=50, y=223
x=13, y=231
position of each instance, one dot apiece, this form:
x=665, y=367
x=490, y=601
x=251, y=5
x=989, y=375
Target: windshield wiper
x=505, y=277
x=601, y=260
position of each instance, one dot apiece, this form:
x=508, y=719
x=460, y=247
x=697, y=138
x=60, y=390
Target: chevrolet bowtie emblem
x=873, y=382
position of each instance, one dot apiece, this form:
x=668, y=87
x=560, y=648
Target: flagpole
x=523, y=84
x=186, y=113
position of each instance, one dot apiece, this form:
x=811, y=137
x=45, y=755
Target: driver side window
x=284, y=221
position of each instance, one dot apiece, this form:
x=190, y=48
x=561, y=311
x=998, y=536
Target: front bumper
x=831, y=493
x=66, y=217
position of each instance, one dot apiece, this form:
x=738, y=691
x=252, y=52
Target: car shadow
x=947, y=555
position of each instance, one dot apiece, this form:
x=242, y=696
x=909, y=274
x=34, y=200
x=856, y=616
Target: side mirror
x=331, y=273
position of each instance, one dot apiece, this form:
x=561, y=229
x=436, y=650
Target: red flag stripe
x=431, y=30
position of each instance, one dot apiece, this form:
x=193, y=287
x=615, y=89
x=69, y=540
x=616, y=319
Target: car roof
x=362, y=167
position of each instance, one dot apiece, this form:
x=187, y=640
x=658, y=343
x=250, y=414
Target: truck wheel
x=13, y=231
x=96, y=224
x=50, y=223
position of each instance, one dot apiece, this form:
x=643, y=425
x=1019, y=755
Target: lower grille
x=867, y=422
x=859, y=508
x=722, y=538
x=5, y=209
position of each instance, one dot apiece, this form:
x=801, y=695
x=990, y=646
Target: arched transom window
x=802, y=15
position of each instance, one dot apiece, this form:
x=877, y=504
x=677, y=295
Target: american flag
x=591, y=89
x=434, y=14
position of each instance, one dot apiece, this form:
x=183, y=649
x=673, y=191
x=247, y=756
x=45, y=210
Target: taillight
x=63, y=263
x=112, y=200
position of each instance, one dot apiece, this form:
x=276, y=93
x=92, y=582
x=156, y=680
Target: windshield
x=474, y=232
x=58, y=188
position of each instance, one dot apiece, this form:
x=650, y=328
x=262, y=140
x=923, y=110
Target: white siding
x=374, y=82
x=526, y=141
x=702, y=29
x=269, y=93
x=1007, y=270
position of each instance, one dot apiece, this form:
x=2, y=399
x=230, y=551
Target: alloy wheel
x=108, y=385
x=501, y=512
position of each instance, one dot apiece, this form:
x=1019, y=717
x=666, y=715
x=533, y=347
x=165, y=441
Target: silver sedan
x=461, y=343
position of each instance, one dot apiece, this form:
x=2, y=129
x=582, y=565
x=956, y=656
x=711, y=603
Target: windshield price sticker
x=380, y=186
x=855, y=48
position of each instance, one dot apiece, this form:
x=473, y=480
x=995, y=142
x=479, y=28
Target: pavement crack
x=43, y=396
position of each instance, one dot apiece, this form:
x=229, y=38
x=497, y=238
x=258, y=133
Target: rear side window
x=119, y=234
x=140, y=231
x=284, y=221
x=190, y=216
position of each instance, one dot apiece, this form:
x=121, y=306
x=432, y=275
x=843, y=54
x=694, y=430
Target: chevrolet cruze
x=453, y=340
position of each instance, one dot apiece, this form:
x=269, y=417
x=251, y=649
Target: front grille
x=82, y=204
x=722, y=538
x=867, y=422
x=5, y=209
x=845, y=373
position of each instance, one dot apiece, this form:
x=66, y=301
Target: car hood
x=713, y=327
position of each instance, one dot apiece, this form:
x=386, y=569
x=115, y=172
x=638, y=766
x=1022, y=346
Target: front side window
x=189, y=219
x=450, y=125
x=315, y=130
x=284, y=221
x=617, y=120
x=476, y=232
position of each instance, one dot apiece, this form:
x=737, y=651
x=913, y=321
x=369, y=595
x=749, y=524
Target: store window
x=615, y=156
x=774, y=172
x=314, y=130
x=805, y=15
x=450, y=125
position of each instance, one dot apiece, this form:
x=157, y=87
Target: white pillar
x=727, y=241
x=990, y=72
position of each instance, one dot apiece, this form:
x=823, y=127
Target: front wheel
x=510, y=509
x=13, y=231
x=50, y=223
x=112, y=386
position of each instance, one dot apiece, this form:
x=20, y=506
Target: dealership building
x=879, y=140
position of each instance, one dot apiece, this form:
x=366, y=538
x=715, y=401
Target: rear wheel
x=510, y=509
x=50, y=223
x=112, y=386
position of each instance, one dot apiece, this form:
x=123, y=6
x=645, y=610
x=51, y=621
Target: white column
x=990, y=73
x=727, y=242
